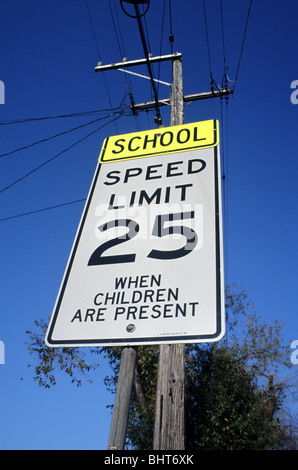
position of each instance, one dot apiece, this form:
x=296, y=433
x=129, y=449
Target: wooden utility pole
x=169, y=431
x=169, y=413
x=122, y=400
x=176, y=99
x=126, y=374
x=169, y=410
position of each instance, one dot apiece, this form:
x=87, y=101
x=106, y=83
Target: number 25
x=159, y=230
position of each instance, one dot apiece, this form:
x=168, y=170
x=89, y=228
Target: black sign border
x=154, y=340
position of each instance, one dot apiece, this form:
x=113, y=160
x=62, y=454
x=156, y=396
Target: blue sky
x=47, y=58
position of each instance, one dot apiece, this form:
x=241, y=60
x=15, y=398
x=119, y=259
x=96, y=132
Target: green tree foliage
x=49, y=360
x=235, y=389
x=226, y=410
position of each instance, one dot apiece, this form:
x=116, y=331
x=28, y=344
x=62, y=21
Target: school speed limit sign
x=146, y=265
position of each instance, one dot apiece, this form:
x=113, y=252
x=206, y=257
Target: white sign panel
x=146, y=266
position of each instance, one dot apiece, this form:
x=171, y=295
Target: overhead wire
x=64, y=132
x=42, y=210
x=152, y=65
x=224, y=149
x=53, y=136
x=225, y=177
x=119, y=27
x=146, y=52
x=161, y=39
x=227, y=190
x=223, y=121
x=227, y=83
x=171, y=36
x=223, y=46
x=208, y=46
x=92, y=29
x=89, y=113
x=147, y=34
x=43, y=118
x=58, y=154
x=121, y=48
x=99, y=57
x=224, y=138
x=242, y=44
x=120, y=111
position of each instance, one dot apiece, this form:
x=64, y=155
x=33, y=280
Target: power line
x=138, y=16
x=42, y=210
x=99, y=57
x=208, y=45
x=121, y=48
x=225, y=177
x=223, y=39
x=93, y=30
x=243, y=41
x=53, y=137
x=58, y=154
x=43, y=118
x=158, y=117
x=161, y=38
x=171, y=36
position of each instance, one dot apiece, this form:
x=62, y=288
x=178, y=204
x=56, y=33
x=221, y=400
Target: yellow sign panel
x=160, y=141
